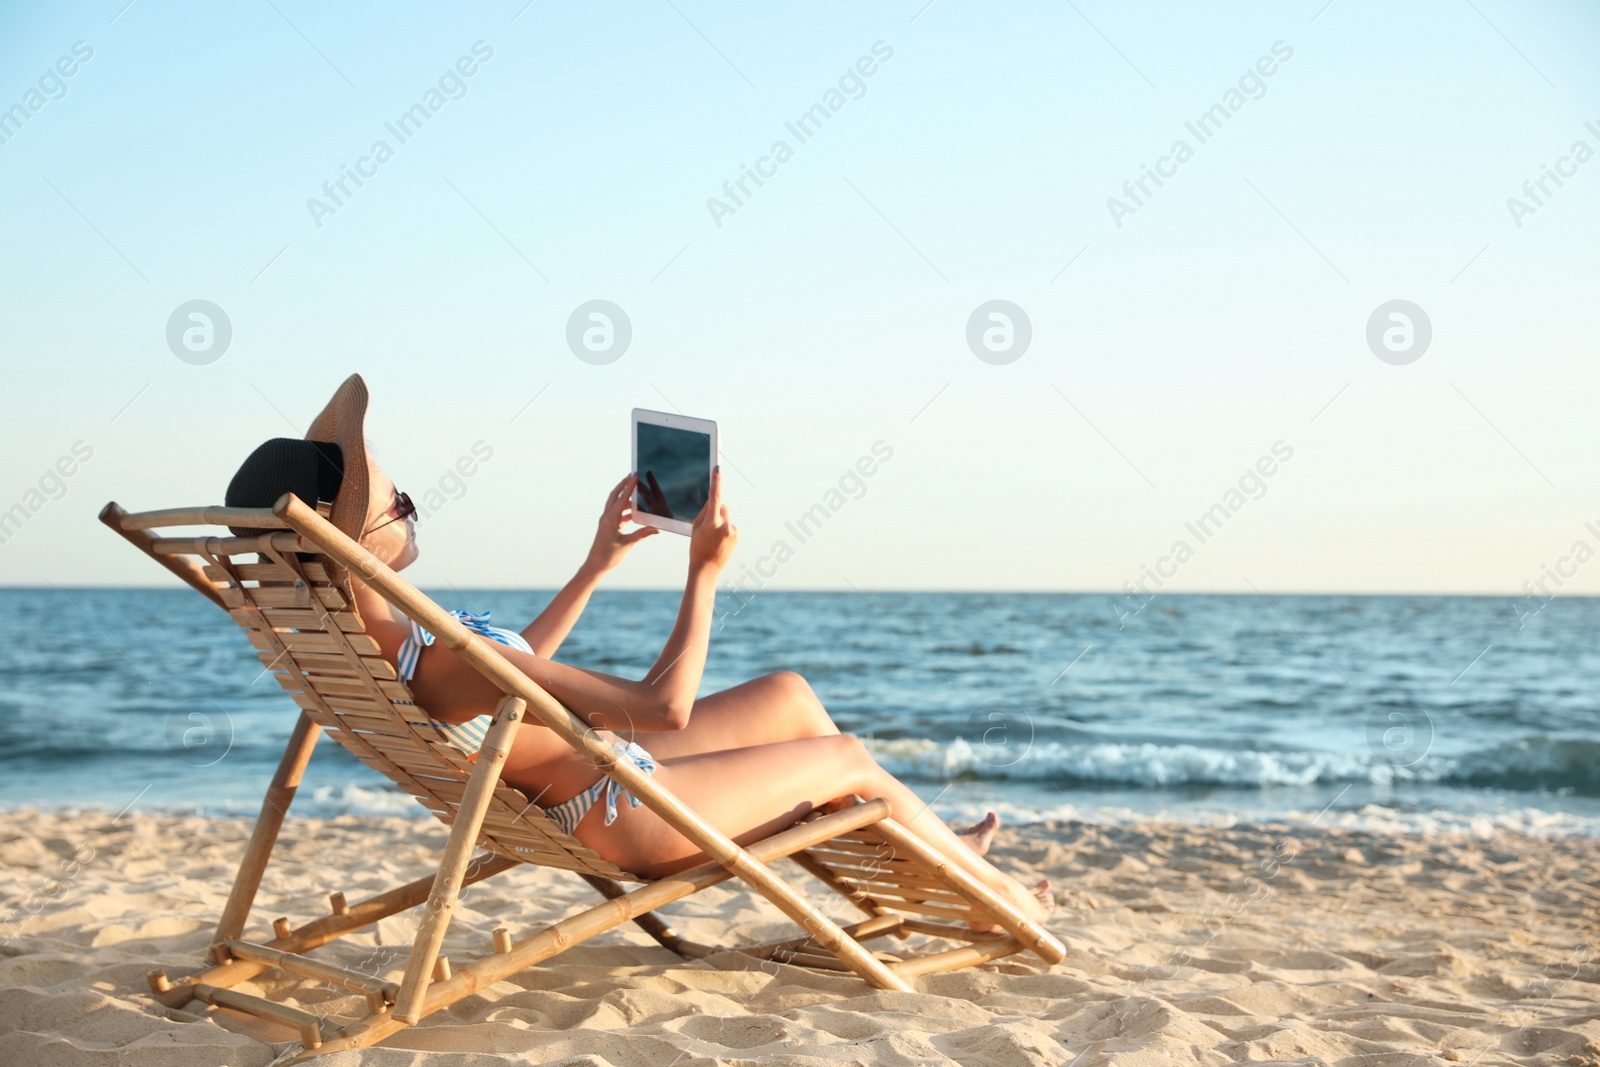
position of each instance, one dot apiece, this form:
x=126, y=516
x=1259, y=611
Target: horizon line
x=135, y=587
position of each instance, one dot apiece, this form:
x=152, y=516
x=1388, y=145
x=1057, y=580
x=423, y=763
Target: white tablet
x=673, y=455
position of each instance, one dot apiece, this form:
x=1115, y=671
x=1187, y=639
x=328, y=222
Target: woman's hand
x=611, y=544
x=651, y=498
x=713, y=536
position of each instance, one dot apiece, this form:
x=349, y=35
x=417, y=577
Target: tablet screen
x=674, y=471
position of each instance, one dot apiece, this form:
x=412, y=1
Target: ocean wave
x=1531, y=764
x=353, y=799
x=1535, y=763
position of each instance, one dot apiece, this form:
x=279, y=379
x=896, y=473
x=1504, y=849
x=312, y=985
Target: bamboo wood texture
x=1019, y=926
x=306, y=631
x=575, y=731
x=586, y=924
x=457, y=851
x=187, y=569
x=309, y=1025
x=956, y=958
x=258, y=518
x=820, y=871
x=330, y=928
x=308, y=635
x=363, y=1033
x=285, y=781
x=307, y=967
x=650, y=923
x=865, y=930
x=580, y=927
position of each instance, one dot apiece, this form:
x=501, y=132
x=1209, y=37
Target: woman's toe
x=980, y=835
x=1041, y=893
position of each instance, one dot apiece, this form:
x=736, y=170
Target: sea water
x=1405, y=712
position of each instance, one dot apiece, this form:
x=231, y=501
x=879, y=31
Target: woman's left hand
x=611, y=544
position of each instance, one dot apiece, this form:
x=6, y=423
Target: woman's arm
x=449, y=688
x=677, y=670
x=555, y=622
x=711, y=542
x=545, y=633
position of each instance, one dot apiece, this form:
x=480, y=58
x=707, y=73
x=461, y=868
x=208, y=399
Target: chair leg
x=651, y=923
x=319, y=932
x=280, y=794
x=458, y=851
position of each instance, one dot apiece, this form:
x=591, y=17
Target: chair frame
x=857, y=851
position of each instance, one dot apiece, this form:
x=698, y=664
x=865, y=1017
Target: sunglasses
x=401, y=508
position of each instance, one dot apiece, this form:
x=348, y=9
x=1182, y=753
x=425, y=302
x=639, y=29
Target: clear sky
x=1357, y=153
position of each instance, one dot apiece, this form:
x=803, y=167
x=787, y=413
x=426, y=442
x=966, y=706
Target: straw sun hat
x=342, y=423
x=311, y=469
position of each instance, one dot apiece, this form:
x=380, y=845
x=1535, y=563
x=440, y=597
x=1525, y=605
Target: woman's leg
x=751, y=793
x=763, y=711
x=774, y=707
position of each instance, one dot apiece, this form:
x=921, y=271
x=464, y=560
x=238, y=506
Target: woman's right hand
x=713, y=536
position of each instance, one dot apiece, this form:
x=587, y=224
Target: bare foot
x=980, y=835
x=1036, y=903
x=1047, y=900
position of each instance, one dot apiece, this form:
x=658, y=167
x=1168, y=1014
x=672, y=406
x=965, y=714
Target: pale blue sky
x=827, y=313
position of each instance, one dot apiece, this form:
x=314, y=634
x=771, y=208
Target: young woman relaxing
x=751, y=759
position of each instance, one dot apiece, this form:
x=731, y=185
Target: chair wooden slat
x=265, y=572
x=330, y=663
x=289, y=596
x=369, y=705
x=315, y=641
x=303, y=619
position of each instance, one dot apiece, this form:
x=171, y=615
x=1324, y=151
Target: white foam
x=1144, y=764
x=1530, y=762
x=352, y=799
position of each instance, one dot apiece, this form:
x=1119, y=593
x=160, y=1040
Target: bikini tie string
x=641, y=759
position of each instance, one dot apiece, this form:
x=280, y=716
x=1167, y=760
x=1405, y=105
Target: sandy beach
x=1186, y=945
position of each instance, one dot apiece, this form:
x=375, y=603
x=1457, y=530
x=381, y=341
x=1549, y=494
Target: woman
x=750, y=760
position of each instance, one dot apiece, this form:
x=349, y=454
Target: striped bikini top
x=411, y=648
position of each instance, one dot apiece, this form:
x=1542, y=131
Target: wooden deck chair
x=279, y=586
